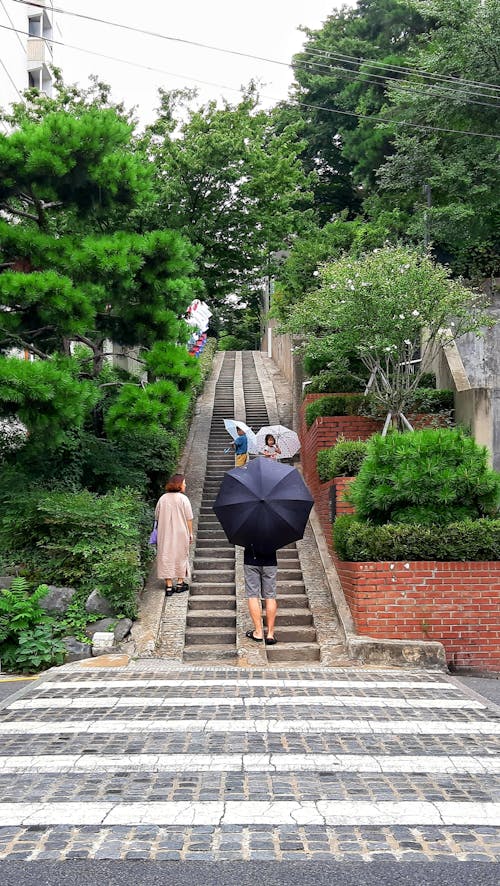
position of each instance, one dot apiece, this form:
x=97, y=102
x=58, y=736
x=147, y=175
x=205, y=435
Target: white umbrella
x=231, y=425
x=286, y=439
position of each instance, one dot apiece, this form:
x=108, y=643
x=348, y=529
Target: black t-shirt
x=254, y=557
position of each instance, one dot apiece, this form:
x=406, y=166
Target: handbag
x=153, y=538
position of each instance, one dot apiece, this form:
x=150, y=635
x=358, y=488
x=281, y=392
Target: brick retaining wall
x=456, y=603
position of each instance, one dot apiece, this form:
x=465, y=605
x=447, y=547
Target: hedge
x=426, y=400
x=463, y=540
x=342, y=460
x=334, y=405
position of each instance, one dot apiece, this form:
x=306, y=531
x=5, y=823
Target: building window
x=35, y=26
x=34, y=79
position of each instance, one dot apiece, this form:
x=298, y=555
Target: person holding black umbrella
x=264, y=508
x=260, y=570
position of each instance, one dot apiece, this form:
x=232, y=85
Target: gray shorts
x=260, y=581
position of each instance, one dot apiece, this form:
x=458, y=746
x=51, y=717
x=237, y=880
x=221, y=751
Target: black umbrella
x=266, y=504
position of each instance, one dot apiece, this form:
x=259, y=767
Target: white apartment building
x=26, y=50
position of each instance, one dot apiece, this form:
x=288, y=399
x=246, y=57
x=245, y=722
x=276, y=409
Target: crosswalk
x=226, y=763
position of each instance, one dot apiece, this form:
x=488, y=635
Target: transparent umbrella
x=287, y=440
x=231, y=426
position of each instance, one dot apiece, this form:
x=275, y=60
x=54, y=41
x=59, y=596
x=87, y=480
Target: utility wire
x=423, y=91
x=325, y=54
x=160, y=36
x=372, y=119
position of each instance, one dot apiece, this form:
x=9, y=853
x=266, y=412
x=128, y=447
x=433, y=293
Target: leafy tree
x=299, y=272
x=228, y=180
x=386, y=308
x=339, y=75
x=461, y=170
x=73, y=270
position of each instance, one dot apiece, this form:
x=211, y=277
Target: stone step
x=287, y=617
x=208, y=589
x=213, y=636
x=215, y=552
x=292, y=601
x=211, y=618
x=292, y=652
x=209, y=563
x=289, y=574
x=211, y=654
x=210, y=601
x=289, y=587
x=211, y=576
x=296, y=634
x=212, y=543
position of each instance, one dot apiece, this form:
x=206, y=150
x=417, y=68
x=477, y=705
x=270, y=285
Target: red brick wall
x=324, y=433
x=456, y=603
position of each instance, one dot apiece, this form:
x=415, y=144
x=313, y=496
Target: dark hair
x=175, y=483
x=267, y=439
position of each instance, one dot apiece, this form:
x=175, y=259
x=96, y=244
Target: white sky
x=262, y=27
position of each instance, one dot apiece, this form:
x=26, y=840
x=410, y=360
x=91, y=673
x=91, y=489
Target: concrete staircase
x=211, y=618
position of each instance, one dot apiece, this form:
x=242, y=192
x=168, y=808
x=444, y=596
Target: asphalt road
x=10, y=685
x=116, y=873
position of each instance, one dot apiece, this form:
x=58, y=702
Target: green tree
x=233, y=184
x=461, y=170
x=72, y=269
x=385, y=308
x=340, y=74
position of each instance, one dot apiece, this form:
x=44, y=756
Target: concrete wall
x=283, y=350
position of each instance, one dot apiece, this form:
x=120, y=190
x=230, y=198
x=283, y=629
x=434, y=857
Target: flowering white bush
x=406, y=307
x=13, y=435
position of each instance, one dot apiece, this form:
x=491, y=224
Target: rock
x=6, y=581
x=76, y=651
x=122, y=628
x=58, y=599
x=98, y=604
x=104, y=624
x=103, y=643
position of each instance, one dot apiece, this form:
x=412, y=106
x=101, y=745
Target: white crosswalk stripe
x=408, y=753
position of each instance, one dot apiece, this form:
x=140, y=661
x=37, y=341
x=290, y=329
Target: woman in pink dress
x=175, y=533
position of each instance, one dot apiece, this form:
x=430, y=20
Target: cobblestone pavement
x=177, y=762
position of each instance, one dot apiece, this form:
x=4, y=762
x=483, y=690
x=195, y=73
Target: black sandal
x=271, y=641
x=182, y=587
x=250, y=636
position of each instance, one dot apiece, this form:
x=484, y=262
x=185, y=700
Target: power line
x=376, y=120
x=161, y=36
x=384, y=80
x=400, y=69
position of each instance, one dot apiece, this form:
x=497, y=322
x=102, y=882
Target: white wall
x=13, y=72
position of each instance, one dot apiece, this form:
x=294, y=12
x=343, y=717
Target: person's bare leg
x=255, y=610
x=271, y=607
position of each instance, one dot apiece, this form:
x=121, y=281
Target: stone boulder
x=98, y=605
x=58, y=599
x=122, y=628
x=6, y=581
x=76, y=651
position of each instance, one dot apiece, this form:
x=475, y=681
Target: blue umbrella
x=266, y=505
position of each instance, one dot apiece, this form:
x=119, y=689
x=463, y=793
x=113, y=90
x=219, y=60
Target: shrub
x=84, y=540
x=337, y=405
x=427, y=380
x=342, y=460
x=28, y=640
x=461, y=540
x=331, y=382
x=428, y=477
x=430, y=400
